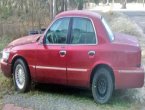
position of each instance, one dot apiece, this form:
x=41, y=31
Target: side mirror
x=41, y=40
x=33, y=32
x=42, y=30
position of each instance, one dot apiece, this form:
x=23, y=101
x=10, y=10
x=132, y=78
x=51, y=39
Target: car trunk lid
x=125, y=39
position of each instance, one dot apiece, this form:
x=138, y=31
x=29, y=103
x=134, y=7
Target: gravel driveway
x=49, y=97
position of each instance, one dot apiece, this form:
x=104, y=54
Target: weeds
x=6, y=85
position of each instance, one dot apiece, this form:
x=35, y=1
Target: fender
x=16, y=55
x=100, y=63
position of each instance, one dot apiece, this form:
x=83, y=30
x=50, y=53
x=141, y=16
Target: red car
x=77, y=49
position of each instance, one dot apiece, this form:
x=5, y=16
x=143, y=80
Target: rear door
x=81, y=51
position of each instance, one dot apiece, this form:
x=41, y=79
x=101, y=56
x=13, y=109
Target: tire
x=102, y=86
x=21, y=76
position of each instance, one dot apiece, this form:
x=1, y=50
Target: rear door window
x=82, y=31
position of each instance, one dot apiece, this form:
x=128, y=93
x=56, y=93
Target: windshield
x=109, y=31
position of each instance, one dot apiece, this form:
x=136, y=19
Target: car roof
x=80, y=13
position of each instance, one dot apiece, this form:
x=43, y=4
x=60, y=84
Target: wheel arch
x=14, y=60
x=102, y=65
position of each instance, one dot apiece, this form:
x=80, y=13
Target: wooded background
x=17, y=17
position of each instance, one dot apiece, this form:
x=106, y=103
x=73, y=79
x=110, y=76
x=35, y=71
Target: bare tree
x=80, y=4
x=123, y=2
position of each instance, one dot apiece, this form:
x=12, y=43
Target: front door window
x=57, y=34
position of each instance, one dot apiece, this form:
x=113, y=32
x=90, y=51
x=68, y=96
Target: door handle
x=62, y=52
x=91, y=53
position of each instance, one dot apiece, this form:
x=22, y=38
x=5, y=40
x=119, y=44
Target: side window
x=82, y=32
x=57, y=34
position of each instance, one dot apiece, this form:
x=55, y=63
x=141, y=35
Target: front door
x=51, y=56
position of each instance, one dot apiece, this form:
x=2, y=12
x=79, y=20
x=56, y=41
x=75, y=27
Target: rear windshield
x=109, y=31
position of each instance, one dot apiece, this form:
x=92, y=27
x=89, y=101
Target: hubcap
x=102, y=86
x=20, y=76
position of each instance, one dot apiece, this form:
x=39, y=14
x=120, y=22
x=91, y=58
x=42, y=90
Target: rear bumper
x=129, y=78
x=6, y=68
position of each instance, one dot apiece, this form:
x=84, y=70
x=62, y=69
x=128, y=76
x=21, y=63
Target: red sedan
x=77, y=49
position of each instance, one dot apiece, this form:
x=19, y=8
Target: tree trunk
x=54, y=8
x=143, y=2
x=65, y=5
x=61, y=6
x=113, y=2
x=124, y=2
x=51, y=9
x=107, y=2
x=80, y=5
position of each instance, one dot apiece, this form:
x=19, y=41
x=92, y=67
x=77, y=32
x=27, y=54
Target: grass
x=121, y=23
x=59, y=97
x=5, y=85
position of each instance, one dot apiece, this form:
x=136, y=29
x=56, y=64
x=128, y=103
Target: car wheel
x=102, y=86
x=21, y=76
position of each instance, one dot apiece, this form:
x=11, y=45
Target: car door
x=51, y=55
x=81, y=51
